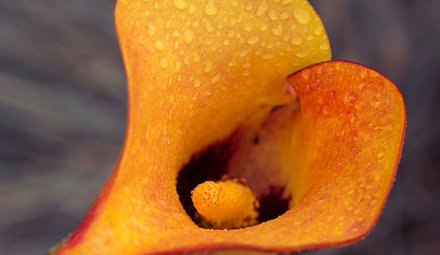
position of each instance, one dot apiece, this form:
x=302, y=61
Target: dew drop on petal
x=197, y=83
x=301, y=53
x=243, y=53
x=211, y=8
x=262, y=8
x=268, y=56
x=209, y=26
x=318, y=30
x=180, y=4
x=191, y=9
x=249, y=6
x=176, y=67
x=208, y=66
x=216, y=78
x=163, y=63
x=196, y=57
x=159, y=45
x=301, y=15
x=188, y=36
x=324, y=46
x=273, y=15
x=248, y=27
x=296, y=39
x=278, y=30
x=306, y=73
x=252, y=39
x=151, y=29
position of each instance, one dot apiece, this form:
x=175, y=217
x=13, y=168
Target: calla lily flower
x=241, y=135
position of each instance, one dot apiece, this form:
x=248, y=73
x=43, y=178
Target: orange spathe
x=196, y=71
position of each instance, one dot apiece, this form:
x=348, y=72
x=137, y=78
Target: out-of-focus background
x=63, y=106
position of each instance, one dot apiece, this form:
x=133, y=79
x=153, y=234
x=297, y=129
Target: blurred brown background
x=63, y=105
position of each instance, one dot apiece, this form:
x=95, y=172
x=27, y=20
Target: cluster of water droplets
x=196, y=37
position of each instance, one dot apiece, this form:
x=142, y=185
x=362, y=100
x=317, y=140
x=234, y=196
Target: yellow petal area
x=196, y=70
x=225, y=204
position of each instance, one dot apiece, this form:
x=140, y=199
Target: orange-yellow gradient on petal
x=197, y=71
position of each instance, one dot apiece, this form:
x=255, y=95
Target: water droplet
x=163, y=63
x=209, y=41
x=301, y=15
x=151, y=29
x=209, y=26
x=273, y=15
x=176, y=67
x=211, y=8
x=376, y=104
x=318, y=30
x=364, y=74
x=252, y=39
x=324, y=46
x=188, y=36
x=301, y=53
x=330, y=70
x=191, y=9
x=268, y=56
x=159, y=45
x=278, y=30
x=248, y=27
x=296, y=39
x=262, y=8
x=168, y=24
x=306, y=73
x=196, y=57
x=243, y=53
x=216, y=78
x=208, y=66
x=180, y=4
x=377, y=178
x=197, y=83
x=284, y=15
x=249, y=6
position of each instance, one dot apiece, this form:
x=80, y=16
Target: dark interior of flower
x=214, y=162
